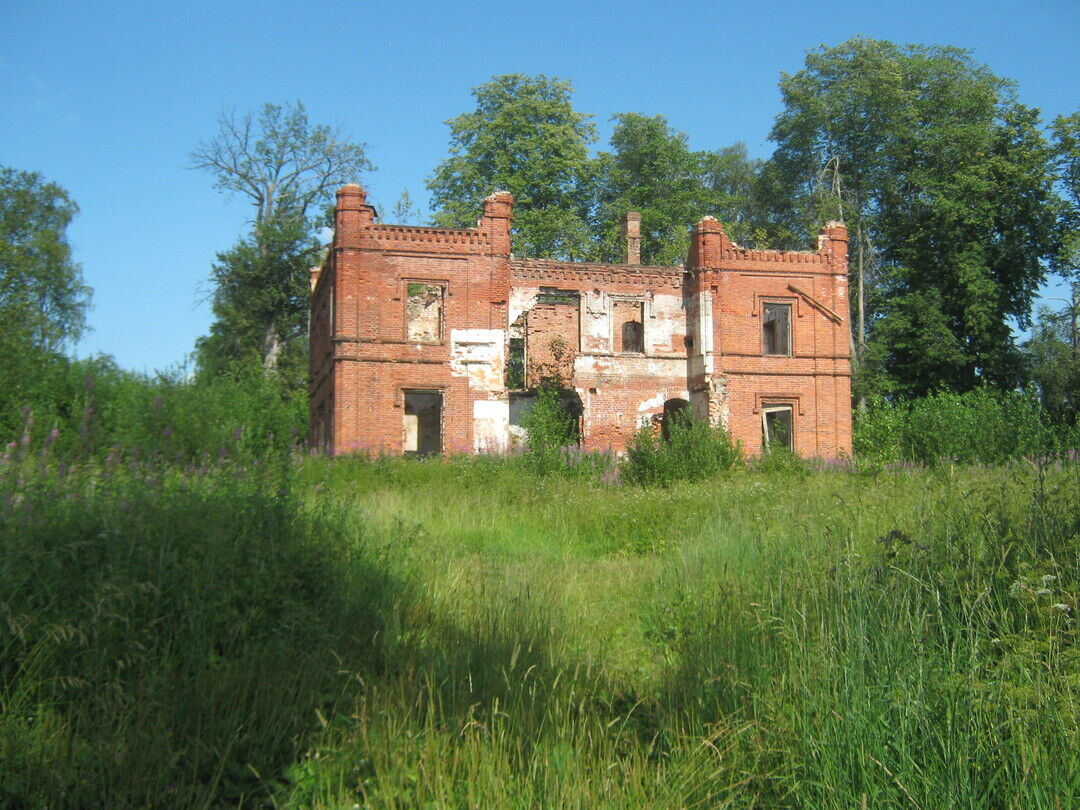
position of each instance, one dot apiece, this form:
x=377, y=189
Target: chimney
x=497, y=219
x=631, y=231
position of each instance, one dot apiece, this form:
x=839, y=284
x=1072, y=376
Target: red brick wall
x=816, y=378
x=362, y=365
x=372, y=359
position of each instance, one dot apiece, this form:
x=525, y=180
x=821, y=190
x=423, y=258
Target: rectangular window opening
x=553, y=295
x=515, y=364
x=423, y=312
x=777, y=427
x=776, y=329
x=628, y=327
x=422, y=423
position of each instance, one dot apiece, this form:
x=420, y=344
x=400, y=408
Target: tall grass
x=468, y=632
x=981, y=426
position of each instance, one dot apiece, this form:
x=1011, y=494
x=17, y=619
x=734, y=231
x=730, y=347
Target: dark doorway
x=422, y=428
x=676, y=412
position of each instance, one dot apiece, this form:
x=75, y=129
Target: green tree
x=943, y=179
x=1053, y=357
x=43, y=299
x=524, y=137
x=263, y=280
x=736, y=189
x=652, y=169
x=287, y=168
x=1066, y=152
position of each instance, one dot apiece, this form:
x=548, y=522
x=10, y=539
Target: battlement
x=429, y=339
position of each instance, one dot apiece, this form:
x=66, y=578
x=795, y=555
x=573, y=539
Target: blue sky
x=108, y=99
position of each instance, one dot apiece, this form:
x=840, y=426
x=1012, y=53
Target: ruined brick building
x=428, y=340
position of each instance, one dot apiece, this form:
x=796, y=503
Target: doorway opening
x=676, y=412
x=423, y=423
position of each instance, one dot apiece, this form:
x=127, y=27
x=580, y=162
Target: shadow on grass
x=168, y=638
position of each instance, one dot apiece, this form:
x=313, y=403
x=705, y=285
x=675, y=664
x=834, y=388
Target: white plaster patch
x=522, y=299
x=629, y=366
x=596, y=323
x=479, y=355
x=653, y=403
x=491, y=425
x=666, y=325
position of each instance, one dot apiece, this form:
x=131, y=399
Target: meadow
x=251, y=629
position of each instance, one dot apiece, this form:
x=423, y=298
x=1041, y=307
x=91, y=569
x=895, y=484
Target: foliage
x=165, y=635
x=550, y=428
x=332, y=634
x=944, y=180
x=782, y=460
x=43, y=299
x=981, y=426
x=1053, y=361
x=1066, y=156
x=286, y=168
x=691, y=450
x=653, y=171
x=526, y=138
x=263, y=280
x=90, y=409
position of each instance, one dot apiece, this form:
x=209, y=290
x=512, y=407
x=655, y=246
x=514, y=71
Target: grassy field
x=469, y=634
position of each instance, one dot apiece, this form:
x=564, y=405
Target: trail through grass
x=467, y=634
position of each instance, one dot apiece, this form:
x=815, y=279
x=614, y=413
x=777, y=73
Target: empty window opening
x=521, y=405
x=515, y=364
x=676, y=412
x=628, y=319
x=423, y=423
x=423, y=312
x=777, y=427
x=633, y=337
x=776, y=328
x=553, y=295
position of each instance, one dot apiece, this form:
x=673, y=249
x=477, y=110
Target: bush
x=91, y=409
x=692, y=450
x=551, y=429
x=980, y=426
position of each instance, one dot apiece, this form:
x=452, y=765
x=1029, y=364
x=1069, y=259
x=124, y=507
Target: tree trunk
x=272, y=347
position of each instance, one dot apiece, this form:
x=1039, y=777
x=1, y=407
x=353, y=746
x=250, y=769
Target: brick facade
x=415, y=334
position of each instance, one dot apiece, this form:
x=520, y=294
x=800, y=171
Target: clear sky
x=108, y=98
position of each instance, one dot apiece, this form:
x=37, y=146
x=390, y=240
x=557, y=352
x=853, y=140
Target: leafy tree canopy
x=652, y=170
x=944, y=179
x=288, y=169
x=43, y=299
x=524, y=137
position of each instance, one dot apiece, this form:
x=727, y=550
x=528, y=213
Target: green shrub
x=981, y=426
x=691, y=451
x=783, y=461
x=550, y=428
